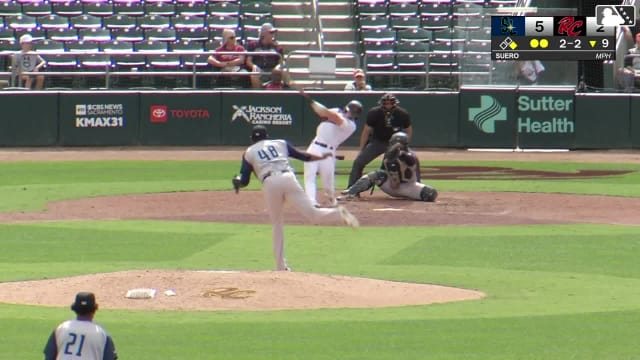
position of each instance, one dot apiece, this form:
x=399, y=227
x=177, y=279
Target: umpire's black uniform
x=383, y=124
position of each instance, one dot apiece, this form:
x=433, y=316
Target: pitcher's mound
x=230, y=290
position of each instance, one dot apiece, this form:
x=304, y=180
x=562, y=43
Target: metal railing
x=110, y=64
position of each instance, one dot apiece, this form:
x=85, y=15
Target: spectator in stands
x=276, y=82
x=26, y=60
x=359, y=82
x=258, y=64
x=229, y=62
x=630, y=73
x=528, y=72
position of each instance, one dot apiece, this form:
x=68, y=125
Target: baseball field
x=524, y=256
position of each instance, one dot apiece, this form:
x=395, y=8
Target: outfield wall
x=534, y=117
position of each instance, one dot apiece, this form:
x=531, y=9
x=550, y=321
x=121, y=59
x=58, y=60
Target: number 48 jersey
x=80, y=340
x=267, y=156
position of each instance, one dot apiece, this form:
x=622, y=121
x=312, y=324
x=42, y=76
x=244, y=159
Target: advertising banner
x=487, y=118
x=602, y=121
x=280, y=112
x=29, y=119
x=109, y=118
x=174, y=118
x=545, y=118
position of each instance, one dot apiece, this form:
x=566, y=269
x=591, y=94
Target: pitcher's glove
x=236, y=183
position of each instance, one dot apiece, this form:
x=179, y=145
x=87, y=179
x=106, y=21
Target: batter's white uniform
x=269, y=160
x=79, y=340
x=328, y=137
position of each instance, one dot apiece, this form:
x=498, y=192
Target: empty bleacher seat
x=379, y=35
x=98, y=9
x=68, y=9
x=154, y=22
x=366, y=9
x=403, y=9
x=129, y=9
x=415, y=34
x=10, y=8
x=192, y=9
x=62, y=34
x=120, y=22
x=224, y=9
x=53, y=21
x=166, y=35
x=21, y=22
x=86, y=22
x=36, y=9
x=127, y=35
x=436, y=22
x=159, y=9
x=94, y=34
x=181, y=22
x=373, y=22
x=406, y=22
x=193, y=34
x=255, y=8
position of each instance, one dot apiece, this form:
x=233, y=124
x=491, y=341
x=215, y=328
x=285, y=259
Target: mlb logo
x=81, y=109
x=616, y=15
x=158, y=113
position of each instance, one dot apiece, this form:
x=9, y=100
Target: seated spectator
x=26, y=60
x=630, y=73
x=258, y=64
x=276, y=82
x=359, y=82
x=528, y=72
x=229, y=62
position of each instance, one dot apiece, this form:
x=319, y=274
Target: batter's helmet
x=389, y=98
x=259, y=132
x=355, y=108
x=399, y=138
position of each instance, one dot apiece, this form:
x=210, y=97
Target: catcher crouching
x=399, y=175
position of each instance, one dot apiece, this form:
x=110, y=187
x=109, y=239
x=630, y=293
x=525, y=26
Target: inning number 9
x=268, y=153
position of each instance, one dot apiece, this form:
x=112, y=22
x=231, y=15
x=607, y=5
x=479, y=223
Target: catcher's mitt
x=236, y=183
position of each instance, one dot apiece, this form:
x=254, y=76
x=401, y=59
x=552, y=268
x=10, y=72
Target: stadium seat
x=7, y=34
x=82, y=47
x=68, y=9
x=373, y=22
x=94, y=35
x=417, y=34
x=255, y=22
x=371, y=9
x=129, y=9
x=62, y=34
x=120, y=22
x=251, y=34
x=435, y=9
x=435, y=22
x=21, y=22
x=502, y=3
x=127, y=35
x=403, y=9
x=224, y=9
x=222, y=22
x=256, y=8
x=49, y=46
x=379, y=35
x=98, y=9
x=154, y=22
x=10, y=8
x=412, y=56
x=192, y=9
x=53, y=21
x=378, y=48
x=86, y=22
x=181, y=22
x=36, y=9
x=166, y=35
x=159, y=9
x=192, y=34
x=406, y=22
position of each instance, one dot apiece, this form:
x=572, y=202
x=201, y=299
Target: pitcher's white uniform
x=269, y=160
x=79, y=340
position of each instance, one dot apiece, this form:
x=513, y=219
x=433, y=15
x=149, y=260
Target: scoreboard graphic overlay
x=551, y=38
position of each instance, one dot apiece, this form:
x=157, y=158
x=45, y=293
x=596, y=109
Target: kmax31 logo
x=162, y=114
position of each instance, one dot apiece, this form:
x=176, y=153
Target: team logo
x=158, y=113
x=486, y=116
x=570, y=26
x=506, y=26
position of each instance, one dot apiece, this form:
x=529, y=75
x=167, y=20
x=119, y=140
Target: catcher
x=399, y=175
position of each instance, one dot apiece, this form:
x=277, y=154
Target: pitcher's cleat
x=348, y=217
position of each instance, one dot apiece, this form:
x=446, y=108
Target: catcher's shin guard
x=428, y=194
x=367, y=181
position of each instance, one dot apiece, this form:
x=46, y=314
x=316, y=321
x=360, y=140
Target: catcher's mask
x=389, y=99
x=399, y=138
x=259, y=132
x=354, y=107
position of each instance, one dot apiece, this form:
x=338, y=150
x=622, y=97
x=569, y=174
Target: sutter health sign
x=545, y=119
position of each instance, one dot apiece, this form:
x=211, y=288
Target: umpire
x=382, y=121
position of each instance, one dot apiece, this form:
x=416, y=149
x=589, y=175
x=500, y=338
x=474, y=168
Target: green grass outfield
x=553, y=291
